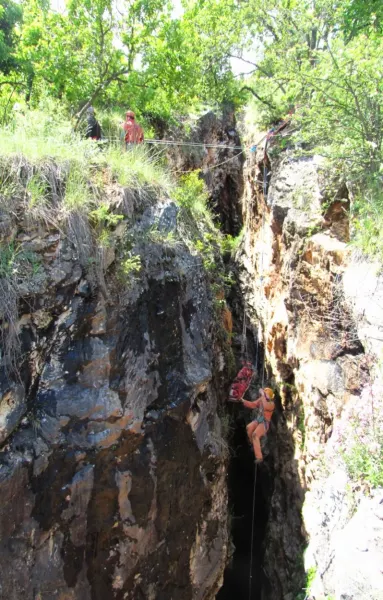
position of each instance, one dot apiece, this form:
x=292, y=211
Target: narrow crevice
x=241, y=488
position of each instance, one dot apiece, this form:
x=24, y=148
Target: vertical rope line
x=256, y=353
x=265, y=194
x=263, y=367
x=244, y=338
x=252, y=534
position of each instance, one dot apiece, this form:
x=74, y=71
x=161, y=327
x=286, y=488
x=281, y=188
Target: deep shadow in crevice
x=241, y=486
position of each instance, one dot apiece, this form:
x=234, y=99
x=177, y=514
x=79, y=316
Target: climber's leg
x=256, y=437
x=250, y=428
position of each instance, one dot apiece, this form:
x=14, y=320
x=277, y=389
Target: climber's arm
x=254, y=404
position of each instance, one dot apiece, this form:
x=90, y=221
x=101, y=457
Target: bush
x=364, y=462
x=368, y=222
x=361, y=438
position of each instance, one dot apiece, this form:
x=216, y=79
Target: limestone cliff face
x=316, y=309
x=112, y=466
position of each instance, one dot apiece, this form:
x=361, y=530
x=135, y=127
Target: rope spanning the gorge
x=160, y=142
x=192, y=144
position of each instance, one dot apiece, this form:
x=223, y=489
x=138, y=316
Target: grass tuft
x=138, y=169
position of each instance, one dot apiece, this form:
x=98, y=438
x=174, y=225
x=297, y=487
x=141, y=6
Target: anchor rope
x=265, y=192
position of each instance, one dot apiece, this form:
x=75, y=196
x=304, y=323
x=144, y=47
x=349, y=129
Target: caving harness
x=261, y=418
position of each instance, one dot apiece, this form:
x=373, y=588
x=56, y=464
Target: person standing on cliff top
x=93, y=129
x=134, y=134
x=260, y=426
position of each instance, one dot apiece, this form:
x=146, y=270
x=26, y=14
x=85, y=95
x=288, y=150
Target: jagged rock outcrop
x=303, y=289
x=112, y=466
x=221, y=168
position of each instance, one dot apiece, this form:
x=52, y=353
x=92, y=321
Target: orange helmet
x=130, y=114
x=269, y=393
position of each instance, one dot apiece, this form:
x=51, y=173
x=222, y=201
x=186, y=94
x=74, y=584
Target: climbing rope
x=205, y=169
x=261, y=267
x=252, y=533
x=251, y=147
x=191, y=144
x=244, y=337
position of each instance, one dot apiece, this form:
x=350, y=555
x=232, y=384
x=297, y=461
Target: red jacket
x=134, y=134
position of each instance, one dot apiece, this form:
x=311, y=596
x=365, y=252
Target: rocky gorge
x=315, y=305
x=117, y=438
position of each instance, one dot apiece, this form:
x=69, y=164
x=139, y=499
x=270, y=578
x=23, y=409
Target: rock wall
x=112, y=464
x=221, y=168
x=321, y=334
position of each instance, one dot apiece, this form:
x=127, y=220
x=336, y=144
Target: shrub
x=131, y=265
x=368, y=222
x=364, y=462
x=16, y=267
x=360, y=437
x=191, y=192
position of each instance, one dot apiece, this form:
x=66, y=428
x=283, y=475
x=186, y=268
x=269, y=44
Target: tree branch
x=249, y=89
x=15, y=83
x=96, y=92
x=257, y=67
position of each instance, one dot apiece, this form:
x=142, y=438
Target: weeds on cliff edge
x=39, y=135
x=196, y=221
x=16, y=268
x=310, y=576
x=367, y=222
x=360, y=437
x=138, y=168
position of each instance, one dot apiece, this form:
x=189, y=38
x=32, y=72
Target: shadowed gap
x=241, y=482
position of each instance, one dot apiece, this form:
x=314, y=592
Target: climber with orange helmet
x=261, y=424
x=134, y=134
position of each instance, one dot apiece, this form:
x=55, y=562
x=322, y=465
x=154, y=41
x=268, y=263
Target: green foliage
x=230, y=244
x=191, y=194
x=366, y=465
x=16, y=267
x=10, y=15
x=301, y=426
x=138, y=169
x=367, y=220
x=311, y=574
x=36, y=197
x=44, y=132
x=36, y=189
x=130, y=266
x=362, y=16
x=16, y=263
x=361, y=437
x=77, y=194
x=204, y=235
x=9, y=186
x=8, y=262
x=102, y=215
x=137, y=54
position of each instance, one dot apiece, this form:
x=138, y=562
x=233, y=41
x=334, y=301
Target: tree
x=133, y=53
x=10, y=15
x=362, y=16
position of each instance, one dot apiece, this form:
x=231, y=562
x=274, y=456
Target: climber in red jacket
x=261, y=424
x=134, y=134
